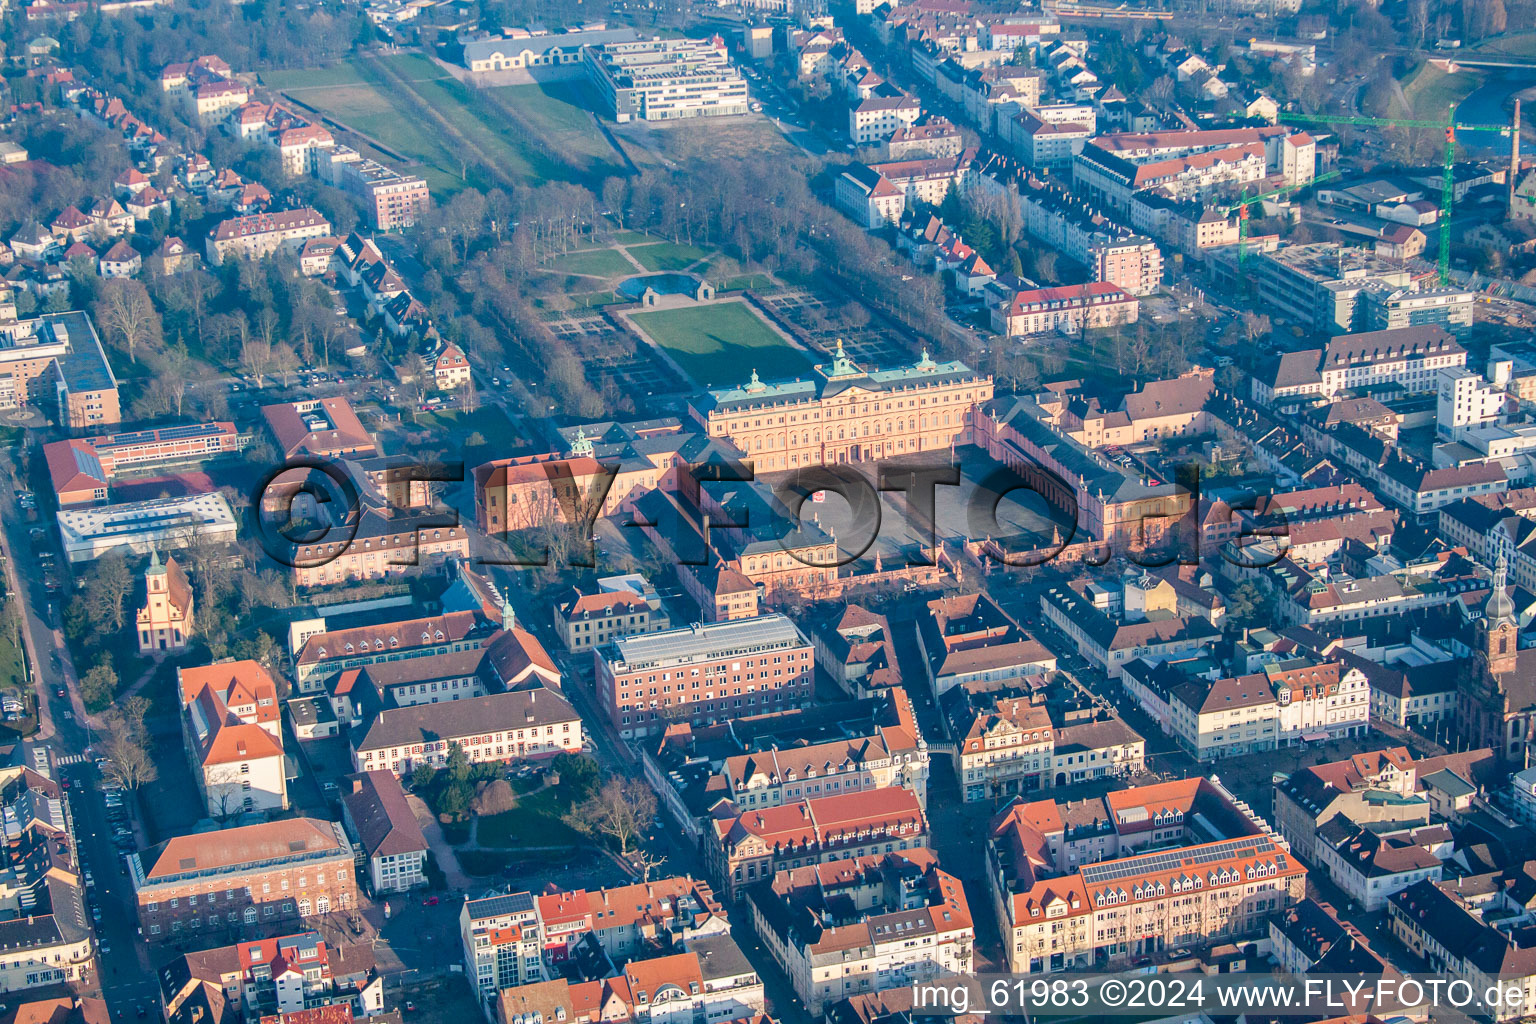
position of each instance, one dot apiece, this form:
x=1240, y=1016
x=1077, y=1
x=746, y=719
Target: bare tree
x=620, y=810
x=285, y=361
x=130, y=764
x=256, y=359
x=126, y=313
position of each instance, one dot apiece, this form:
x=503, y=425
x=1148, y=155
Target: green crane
x=1447, y=180
x=1241, y=210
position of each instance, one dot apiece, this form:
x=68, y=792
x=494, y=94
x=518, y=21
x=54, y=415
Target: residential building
x=164, y=622
x=883, y=114
x=1380, y=786
x=285, y=974
x=1070, y=309
x=591, y=620
x=894, y=755
x=1008, y=740
x=758, y=844
x=262, y=234
x=858, y=652
x=232, y=880
x=1369, y=864
x=878, y=194
x=503, y=944
x=45, y=939
x=712, y=983
x=1450, y=937
x=376, y=815
x=392, y=199
x=521, y=939
x=702, y=673
x=1073, y=891
x=1112, y=253
x=852, y=927
x=665, y=79
x=1112, y=643
x=533, y=724
x=969, y=639
x=232, y=729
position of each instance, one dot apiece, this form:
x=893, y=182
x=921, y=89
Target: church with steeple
x=1496, y=694
x=164, y=623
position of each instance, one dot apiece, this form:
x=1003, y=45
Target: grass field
x=535, y=821
x=479, y=127
x=603, y=263
x=489, y=421
x=13, y=674
x=667, y=255
x=1430, y=91
x=721, y=344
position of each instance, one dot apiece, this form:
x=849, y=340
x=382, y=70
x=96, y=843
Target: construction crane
x=1448, y=179
x=1241, y=209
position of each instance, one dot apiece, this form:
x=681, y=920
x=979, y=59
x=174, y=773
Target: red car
x=430, y=901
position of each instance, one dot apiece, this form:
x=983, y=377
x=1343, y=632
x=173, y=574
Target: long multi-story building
x=385, y=542
x=83, y=468
x=843, y=413
x=703, y=673
x=1410, y=358
x=262, y=234
x=879, y=194
x=1069, y=309
x=537, y=724
x=757, y=844
x=1075, y=887
x=665, y=79
x=1337, y=289
x=851, y=927
x=895, y=755
x=236, y=880
x=1113, y=254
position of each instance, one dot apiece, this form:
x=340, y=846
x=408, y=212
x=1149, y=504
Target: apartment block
x=852, y=927
x=758, y=844
x=1074, y=887
x=284, y=974
x=262, y=234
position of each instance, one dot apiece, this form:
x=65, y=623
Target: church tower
x=1499, y=629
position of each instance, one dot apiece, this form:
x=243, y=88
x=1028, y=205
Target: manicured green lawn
x=593, y=263
x=489, y=421
x=720, y=345
x=535, y=821
x=633, y=237
x=667, y=255
x=298, y=80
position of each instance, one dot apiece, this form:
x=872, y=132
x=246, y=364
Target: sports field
x=450, y=131
x=720, y=344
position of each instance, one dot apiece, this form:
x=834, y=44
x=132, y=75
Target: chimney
x=357, y=785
